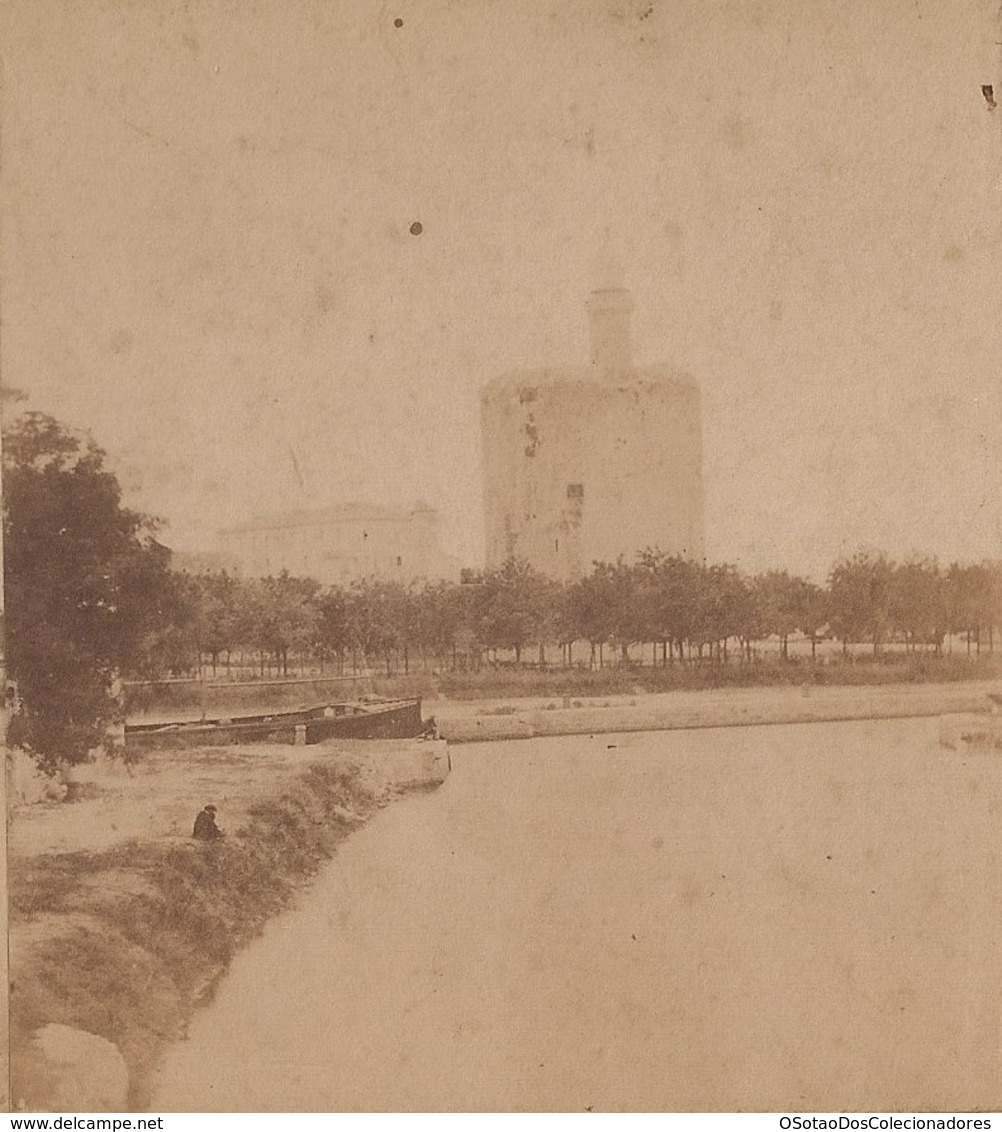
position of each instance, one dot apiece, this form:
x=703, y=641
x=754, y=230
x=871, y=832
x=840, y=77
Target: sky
x=207, y=257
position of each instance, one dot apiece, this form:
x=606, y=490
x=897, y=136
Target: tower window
x=575, y=491
x=400, y=560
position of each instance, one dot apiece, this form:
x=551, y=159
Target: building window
x=575, y=491
x=556, y=545
x=400, y=560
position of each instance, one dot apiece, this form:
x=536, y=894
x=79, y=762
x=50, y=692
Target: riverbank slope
x=122, y=924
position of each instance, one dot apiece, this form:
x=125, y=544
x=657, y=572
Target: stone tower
x=586, y=464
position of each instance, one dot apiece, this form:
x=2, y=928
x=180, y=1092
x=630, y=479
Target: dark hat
x=210, y=808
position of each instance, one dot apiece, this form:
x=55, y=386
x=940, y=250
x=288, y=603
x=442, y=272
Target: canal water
x=792, y=917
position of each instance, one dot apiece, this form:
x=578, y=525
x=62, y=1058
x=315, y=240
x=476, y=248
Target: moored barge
x=368, y=718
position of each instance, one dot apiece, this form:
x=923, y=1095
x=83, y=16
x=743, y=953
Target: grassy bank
x=503, y=682
x=633, y=680
x=125, y=942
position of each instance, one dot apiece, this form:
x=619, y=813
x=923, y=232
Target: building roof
x=328, y=516
x=593, y=375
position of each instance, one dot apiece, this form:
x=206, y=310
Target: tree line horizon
x=678, y=609
x=91, y=597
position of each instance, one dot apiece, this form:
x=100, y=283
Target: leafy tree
x=170, y=643
x=513, y=606
x=670, y=590
x=460, y=623
x=375, y=617
x=919, y=607
x=443, y=618
x=591, y=608
x=860, y=595
x=218, y=620
x=814, y=613
x=974, y=600
x=994, y=601
x=777, y=595
x=285, y=616
x=332, y=625
x=629, y=608
x=86, y=584
x=729, y=608
x=786, y=604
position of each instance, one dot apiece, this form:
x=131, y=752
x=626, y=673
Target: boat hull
x=399, y=719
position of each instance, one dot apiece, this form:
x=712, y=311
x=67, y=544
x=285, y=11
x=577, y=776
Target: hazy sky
x=207, y=256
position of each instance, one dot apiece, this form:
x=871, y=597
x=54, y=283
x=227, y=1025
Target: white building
x=343, y=543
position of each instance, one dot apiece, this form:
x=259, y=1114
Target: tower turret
x=609, y=312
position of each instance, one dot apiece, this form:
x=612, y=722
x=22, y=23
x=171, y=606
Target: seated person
x=205, y=825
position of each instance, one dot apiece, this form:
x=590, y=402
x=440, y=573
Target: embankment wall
x=715, y=709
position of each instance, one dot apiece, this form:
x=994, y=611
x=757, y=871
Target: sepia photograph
x=502, y=555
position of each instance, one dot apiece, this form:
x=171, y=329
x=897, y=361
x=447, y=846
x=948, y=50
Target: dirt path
x=787, y=917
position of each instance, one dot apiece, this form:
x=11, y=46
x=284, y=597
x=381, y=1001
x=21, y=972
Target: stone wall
x=579, y=470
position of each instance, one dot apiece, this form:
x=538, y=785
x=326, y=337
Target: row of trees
x=676, y=609
x=91, y=597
